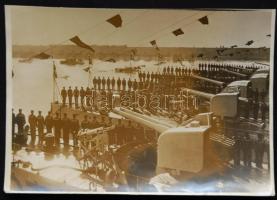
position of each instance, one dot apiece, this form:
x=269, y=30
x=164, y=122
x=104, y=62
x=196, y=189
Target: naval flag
x=116, y=21
x=204, y=20
x=76, y=40
x=178, y=32
x=154, y=44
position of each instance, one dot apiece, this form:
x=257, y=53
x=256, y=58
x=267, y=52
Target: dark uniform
x=32, y=122
x=124, y=84
x=74, y=129
x=70, y=95
x=108, y=83
x=135, y=85
x=259, y=151
x=263, y=110
x=113, y=83
x=85, y=123
x=66, y=130
x=103, y=83
x=76, y=94
x=247, y=151
x=237, y=148
x=118, y=82
x=57, y=123
x=20, y=121
x=94, y=82
x=64, y=95
x=88, y=96
x=40, y=125
x=99, y=83
x=129, y=84
x=49, y=122
x=82, y=95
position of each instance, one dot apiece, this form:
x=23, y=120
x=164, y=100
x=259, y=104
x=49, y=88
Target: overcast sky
x=44, y=26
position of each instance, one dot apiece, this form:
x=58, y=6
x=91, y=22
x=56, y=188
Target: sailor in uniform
x=64, y=95
x=70, y=95
x=40, y=125
x=76, y=96
x=32, y=122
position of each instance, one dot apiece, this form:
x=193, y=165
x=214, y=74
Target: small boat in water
x=72, y=61
x=25, y=60
x=129, y=70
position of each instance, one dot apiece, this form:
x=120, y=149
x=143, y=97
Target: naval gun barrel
x=143, y=119
x=205, y=95
x=208, y=80
x=234, y=73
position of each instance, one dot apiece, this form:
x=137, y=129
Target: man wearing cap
x=70, y=95
x=85, y=123
x=49, y=122
x=20, y=120
x=32, y=122
x=76, y=96
x=40, y=125
x=64, y=95
x=74, y=129
x=57, y=129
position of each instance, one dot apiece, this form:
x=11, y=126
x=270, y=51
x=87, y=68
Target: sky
x=52, y=26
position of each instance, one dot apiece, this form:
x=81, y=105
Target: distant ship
x=129, y=70
x=25, y=60
x=72, y=61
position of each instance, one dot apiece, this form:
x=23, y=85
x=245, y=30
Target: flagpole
x=54, y=82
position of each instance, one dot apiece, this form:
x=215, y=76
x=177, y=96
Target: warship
x=160, y=152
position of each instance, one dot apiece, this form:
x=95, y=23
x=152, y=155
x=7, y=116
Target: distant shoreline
x=143, y=53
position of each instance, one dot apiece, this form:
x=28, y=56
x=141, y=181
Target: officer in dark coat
x=135, y=85
x=75, y=127
x=140, y=76
x=85, y=124
x=40, y=125
x=57, y=124
x=66, y=130
x=247, y=150
x=148, y=76
x=103, y=83
x=76, y=94
x=82, y=95
x=20, y=120
x=118, y=82
x=129, y=84
x=49, y=122
x=32, y=119
x=94, y=81
x=263, y=110
x=70, y=95
x=88, y=96
x=99, y=83
x=123, y=84
x=113, y=83
x=259, y=151
x=64, y=95
x=143, y=76
x=237, y=150
x=109, y=83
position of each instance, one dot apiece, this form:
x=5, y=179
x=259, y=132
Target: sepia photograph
x=139, y=101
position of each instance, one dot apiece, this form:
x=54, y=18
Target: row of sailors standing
x=63, y=127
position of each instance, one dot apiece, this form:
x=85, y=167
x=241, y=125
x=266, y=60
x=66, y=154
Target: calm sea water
x=33, y=83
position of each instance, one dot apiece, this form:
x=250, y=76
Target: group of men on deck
x=64, y=127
